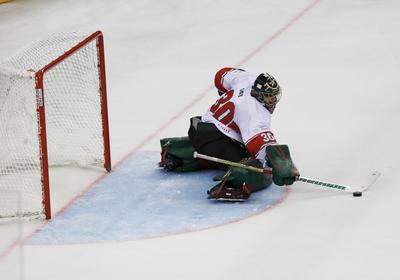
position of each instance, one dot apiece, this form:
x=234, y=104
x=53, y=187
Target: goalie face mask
x=267, y=91
x=270, y=101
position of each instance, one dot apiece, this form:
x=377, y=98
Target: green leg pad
x=254, y=180
x=180, y=150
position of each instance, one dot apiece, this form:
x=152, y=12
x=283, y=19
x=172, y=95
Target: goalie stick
x=355, y=191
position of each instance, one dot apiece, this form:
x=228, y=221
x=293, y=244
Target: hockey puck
x=357, y=193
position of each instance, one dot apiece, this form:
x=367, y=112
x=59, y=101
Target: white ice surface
x=338, y=64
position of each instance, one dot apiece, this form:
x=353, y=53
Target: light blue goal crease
x=141, y=200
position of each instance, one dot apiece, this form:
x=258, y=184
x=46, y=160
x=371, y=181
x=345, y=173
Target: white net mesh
x=11, y=267
x=73, y=116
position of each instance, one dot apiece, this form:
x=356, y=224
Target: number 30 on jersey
x=223, y=110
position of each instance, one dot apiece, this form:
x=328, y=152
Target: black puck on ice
x=357, y=193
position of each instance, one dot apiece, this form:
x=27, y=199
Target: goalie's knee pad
x=254, y=181
x=238, y=177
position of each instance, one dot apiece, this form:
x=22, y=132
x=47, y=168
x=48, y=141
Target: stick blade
x=372, y=178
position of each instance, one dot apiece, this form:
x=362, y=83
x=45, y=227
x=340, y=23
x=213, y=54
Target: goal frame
x=40, y=98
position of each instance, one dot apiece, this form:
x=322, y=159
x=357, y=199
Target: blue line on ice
x=140, y=200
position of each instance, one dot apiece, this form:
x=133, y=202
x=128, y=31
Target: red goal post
x=66, y=75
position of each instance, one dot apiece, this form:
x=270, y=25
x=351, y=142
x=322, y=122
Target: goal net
x=53, y=111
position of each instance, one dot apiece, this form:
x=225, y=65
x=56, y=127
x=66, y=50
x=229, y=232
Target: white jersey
x=238, y=115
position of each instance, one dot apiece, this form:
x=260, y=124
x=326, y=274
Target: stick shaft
x=269, y=171
x=232, y=163
x=324, y=184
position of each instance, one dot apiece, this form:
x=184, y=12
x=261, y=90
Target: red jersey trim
x=259, y=141
x=219, y=78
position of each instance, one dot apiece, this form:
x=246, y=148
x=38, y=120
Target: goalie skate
x=222, y=192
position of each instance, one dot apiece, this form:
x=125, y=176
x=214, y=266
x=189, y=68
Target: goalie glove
x=284, y=172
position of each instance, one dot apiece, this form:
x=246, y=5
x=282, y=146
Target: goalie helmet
x=267, y=91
